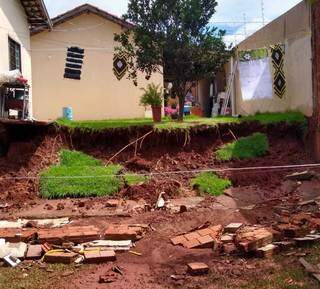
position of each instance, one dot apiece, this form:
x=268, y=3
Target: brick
x=227, y=238
x=112, y=203
x=204, y=232
x=292, y=231
x=229, y=248
x=267, y=251
x=215, y=231
x=123, y=232
x=34, y=252
x=178, y=240
x=198, y=268
x=233, y=228
x=194, y=243
x=207, y=242
x=60, y=257
x=251, y=238
x=191, y=236
x=18, y=235
x=99, y=256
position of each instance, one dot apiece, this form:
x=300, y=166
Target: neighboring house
x=73, y=65
x=274, y=66
x=16, y=20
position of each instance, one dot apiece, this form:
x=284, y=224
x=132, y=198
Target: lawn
x=245, y=148
x=210, y=183
x=189, y=121
x=80, y=175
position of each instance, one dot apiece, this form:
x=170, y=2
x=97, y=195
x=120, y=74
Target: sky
x=239, y=18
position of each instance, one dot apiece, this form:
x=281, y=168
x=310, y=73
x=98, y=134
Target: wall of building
x=14, y=24
x=98, y=95
x=294, y=30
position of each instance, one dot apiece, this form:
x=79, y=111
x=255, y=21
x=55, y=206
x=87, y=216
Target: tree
x=176, y=36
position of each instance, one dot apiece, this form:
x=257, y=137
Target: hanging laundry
x=278, y=62
x=255, y=74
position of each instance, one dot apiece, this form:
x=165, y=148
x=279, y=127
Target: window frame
x=16, y=45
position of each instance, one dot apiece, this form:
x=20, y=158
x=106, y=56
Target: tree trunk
x=181, y=107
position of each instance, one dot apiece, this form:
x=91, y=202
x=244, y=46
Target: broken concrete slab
x=198, y=268
x=11, y=261
x=124, y=245
x=22, y=223
x=16, y=250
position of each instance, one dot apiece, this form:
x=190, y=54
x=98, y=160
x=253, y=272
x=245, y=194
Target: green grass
x=245, y=148
x=133, y=180
x=189, y=121
x=71, y=181
x=210, y=183
x=75, y=158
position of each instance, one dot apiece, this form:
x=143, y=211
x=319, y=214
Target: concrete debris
x=16, y=250
x=267, y=251
x=198, y=268
x=233, y=228
x=23, y=223
x=300, y=176
x=227, y=238
x=124, y=245
x=12, y=261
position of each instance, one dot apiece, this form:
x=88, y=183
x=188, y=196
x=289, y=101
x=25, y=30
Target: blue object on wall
x=67, y=113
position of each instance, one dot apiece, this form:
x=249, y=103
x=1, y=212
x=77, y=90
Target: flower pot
x=156, y=113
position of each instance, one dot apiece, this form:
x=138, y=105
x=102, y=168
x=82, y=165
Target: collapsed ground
x=255, y=198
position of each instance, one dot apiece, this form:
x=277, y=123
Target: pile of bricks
x=205, y=238
x=65, y=239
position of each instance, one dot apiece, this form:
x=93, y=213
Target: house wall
x=14, y=24
x=98, y=95
x=294, y=30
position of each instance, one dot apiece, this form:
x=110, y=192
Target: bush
x=153, y=95
x=245, y=148
x=210, y=183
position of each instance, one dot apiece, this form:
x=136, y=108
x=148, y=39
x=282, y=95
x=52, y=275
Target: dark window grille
x=14, y=55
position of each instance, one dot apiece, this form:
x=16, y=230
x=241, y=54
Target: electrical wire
x=168, y=173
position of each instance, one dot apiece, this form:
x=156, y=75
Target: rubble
x=97, y=255
x=60, y=256
x=198, y=268
x=311, y=269
x=267, y=251
x=34, y=252
x=233, y=228
x=204, y=238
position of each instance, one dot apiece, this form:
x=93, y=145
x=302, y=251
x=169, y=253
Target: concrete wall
x=14, y=24
x=98, y=95
x=294, y=30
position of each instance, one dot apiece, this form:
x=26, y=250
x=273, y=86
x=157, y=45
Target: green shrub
x=76, y=158
x=210, y=183
x=133, y=180
x=66, y=181
x=245, y=148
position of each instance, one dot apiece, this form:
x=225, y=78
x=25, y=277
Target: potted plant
x=153, y=96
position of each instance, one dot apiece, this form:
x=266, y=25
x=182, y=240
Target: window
x=14, y=55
